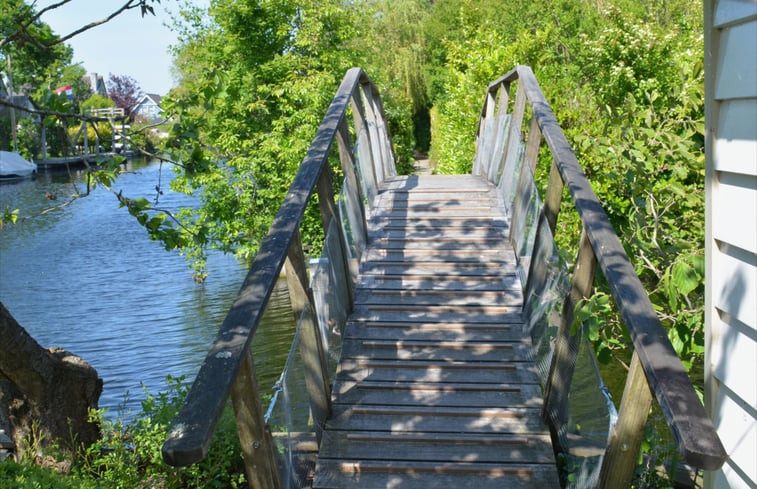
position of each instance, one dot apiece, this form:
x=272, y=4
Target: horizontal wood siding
x=737, y=205
x=736, y=148
x=731, y=236
x=736, y=58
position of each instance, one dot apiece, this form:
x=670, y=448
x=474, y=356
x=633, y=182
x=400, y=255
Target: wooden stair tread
x=335, y=474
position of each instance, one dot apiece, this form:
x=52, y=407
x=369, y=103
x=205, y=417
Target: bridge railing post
x=255, y=439
x=356, y=199
x=371, y=120
x=365, y=152
x=330, y=212
x=385, y=142
x=626, y=436
x=514, y=136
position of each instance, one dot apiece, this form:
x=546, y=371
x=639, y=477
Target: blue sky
x=127, y=45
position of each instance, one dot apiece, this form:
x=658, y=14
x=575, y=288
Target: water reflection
x=87, y=278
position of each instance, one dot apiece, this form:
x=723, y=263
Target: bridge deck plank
x=436, y=386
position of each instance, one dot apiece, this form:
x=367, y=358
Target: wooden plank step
x=441, y=214
x=451, y=197
x=436, y=447
x=443, y=229
x=419, y=223
x=359, y=370
x=452, y=256
x=409, y=282
x=460, y=236
x=427, y=314
x=460, y=233
x=376, y=330
x=452, y=419
x=344, y=474
x=439, y=309
x=459, y=271
x=438, y=269
x=516, y=351
x=442, y=244
x=434, y=183
x=448, y=226
x=452, y=205
x=437, y=394
x=439, y=297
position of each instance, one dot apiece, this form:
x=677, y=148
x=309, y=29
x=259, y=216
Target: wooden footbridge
x=451, y=304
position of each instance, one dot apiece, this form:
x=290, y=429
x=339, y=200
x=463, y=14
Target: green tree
x=36, y=58
x=255, y=82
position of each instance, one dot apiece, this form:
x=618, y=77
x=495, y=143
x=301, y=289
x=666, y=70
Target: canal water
x=87, y=278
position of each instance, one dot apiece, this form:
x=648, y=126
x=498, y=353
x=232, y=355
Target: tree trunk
x=45, y=394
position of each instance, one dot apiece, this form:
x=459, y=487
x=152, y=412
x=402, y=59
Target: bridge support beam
x=626, y=437
x=257, y=444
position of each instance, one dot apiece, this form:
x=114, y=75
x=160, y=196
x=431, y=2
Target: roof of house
x=154, y=97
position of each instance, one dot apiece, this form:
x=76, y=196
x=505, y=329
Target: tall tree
x=256, y=81
x=36, y=55
x=124, y=91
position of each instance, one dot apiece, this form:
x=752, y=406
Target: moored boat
x=13, y=165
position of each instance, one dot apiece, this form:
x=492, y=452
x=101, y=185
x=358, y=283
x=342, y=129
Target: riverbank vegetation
x=128, y=454
x=624, y=77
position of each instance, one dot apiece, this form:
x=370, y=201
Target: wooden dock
x=78, y=160
x=436, y=387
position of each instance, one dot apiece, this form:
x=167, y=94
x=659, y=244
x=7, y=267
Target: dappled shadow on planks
x=436, y=386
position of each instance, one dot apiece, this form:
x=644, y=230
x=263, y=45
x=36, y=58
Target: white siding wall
x=731, y=236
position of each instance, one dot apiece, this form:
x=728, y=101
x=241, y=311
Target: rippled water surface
x=88, y=279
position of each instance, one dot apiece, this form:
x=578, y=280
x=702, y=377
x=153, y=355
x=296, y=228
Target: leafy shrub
x=129, y=454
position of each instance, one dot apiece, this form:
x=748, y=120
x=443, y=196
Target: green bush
x=129, y=454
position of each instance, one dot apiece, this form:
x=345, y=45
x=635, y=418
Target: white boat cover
x=14, y=165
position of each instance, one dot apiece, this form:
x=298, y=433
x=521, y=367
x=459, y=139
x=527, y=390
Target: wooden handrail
x=189, y=439
x=693, y=430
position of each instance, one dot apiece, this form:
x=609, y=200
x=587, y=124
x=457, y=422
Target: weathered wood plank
x=437, y=447
x=439, y=314
x=451, y=197
x=433, y=331
x=405, y=330
x=431, y=183
x=436, y=371
x=403, y=222
x=439, y=297
x=430, y=475
x=449, y=257
x=473, y=214
x=442, y=243
x=405, y=282
x=437, y=394
x=448, y=419
x=440, y=269
x=435, y=350
x=433, y=201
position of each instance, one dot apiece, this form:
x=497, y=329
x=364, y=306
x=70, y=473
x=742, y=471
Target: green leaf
x=684, y=277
